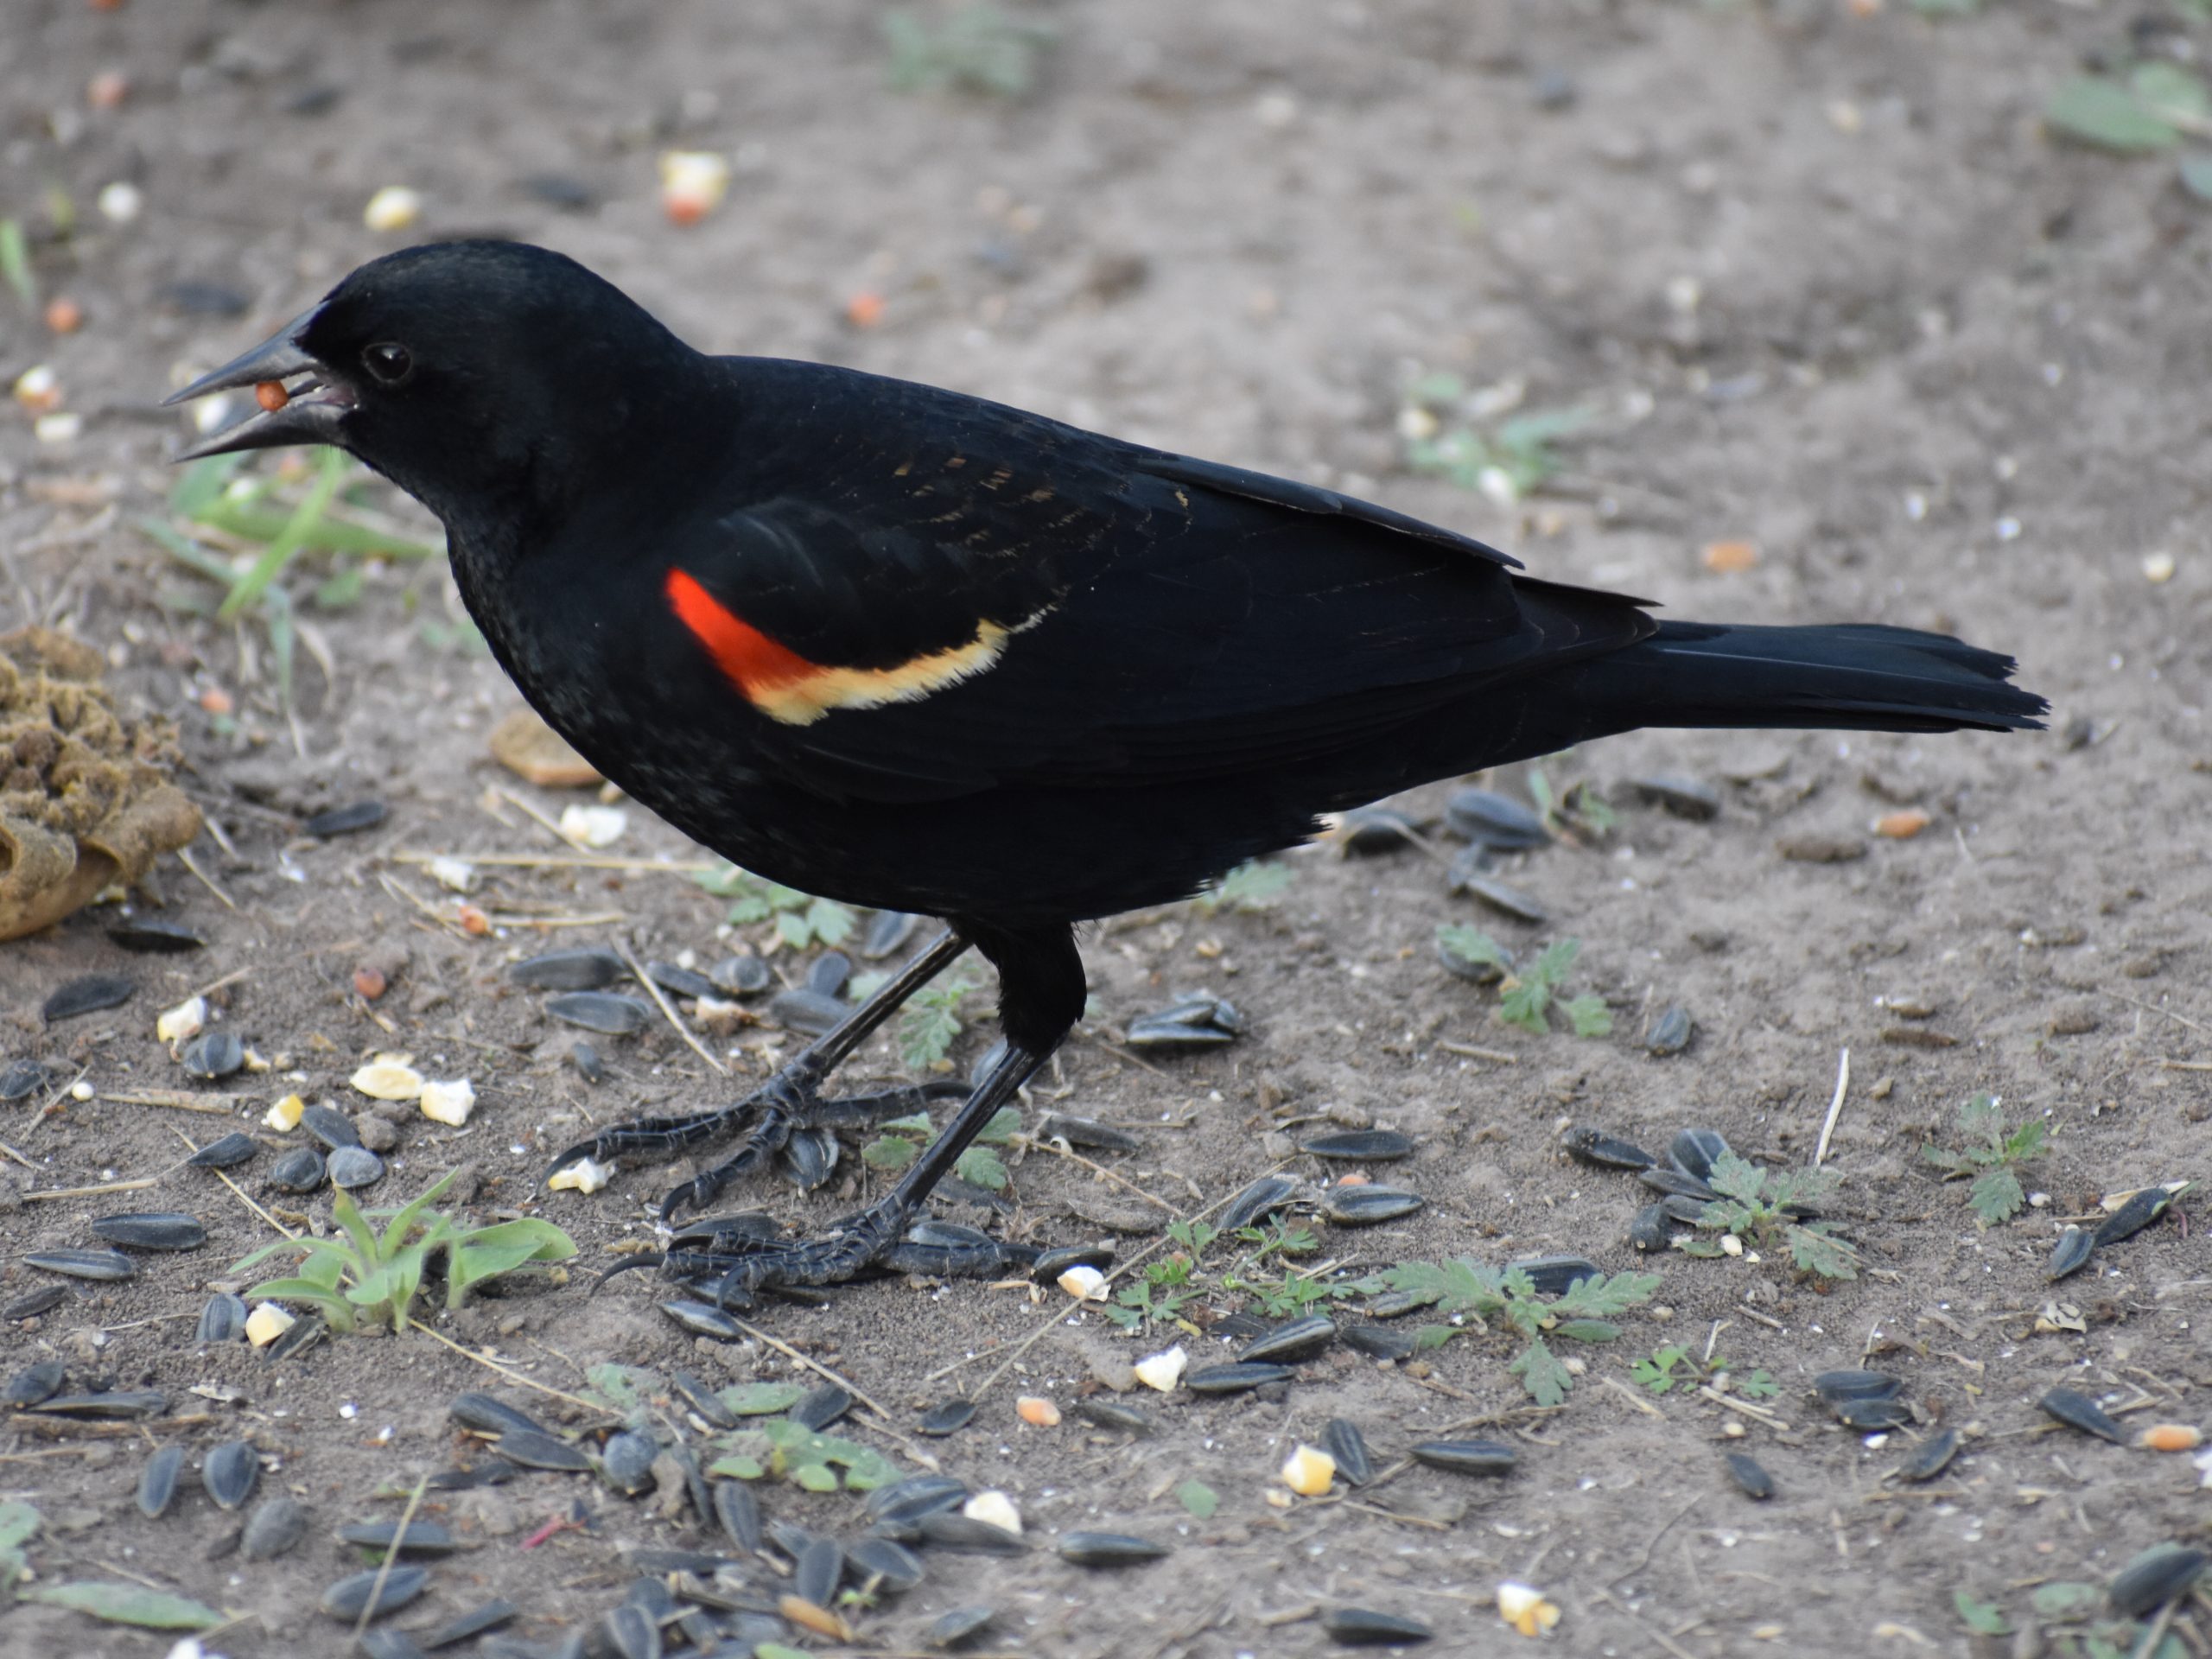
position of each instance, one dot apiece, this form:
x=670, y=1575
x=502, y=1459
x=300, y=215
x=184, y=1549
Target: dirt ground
x=1829, y=290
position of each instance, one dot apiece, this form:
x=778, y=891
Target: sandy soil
x=1827, y=288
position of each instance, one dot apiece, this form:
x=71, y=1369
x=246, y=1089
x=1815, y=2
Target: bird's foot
x=733, y=1256
x=787, y=1116
x=858, y=1242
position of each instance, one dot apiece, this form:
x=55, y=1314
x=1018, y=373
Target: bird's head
x=465, y=371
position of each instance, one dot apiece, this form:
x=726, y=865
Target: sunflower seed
x=42, y=1301
x=882, y=1564
x=1648, y=1230
x=1749, y=1475
x=157, y=1481
x=33, y=1384
x=1293, y=1342
x=817, y=1570
x=1466, y=1456
x=1360, y=1146
x=1364, y=1627
x=1595, y=1147
x=1554, y=1275
x=152, y=1230
x=488, y=1414
x=704, y=1319
x=820, y=1407
x=739, y=1511
x=231, y=1473
x=1675, y=1184
x=1193, y=1022
x=1476, y=970
x=1085, y=1132
x=155, y=938
x=810, y=1157
x=586, y=1059
x=740, y=976
x=1932, y=1458
x=349, y=1599
x=345, y=820
x=477, y=1620
x=949, y=1630
x=108, y=1266
x=702, y=1400
x=1109, y=1413
x=1051, y=1264
x=828, y=975
x=1872, y=1416
x=1342, y=1439
x=352, y=1167
x=625, y=1462
x=2154, y=1579
x=1236, y=1378
x=390, y=1645
x=89, y=995
x=222, y=1320
x=1109, y=1550
x=888, y=930
x=631, y=1633
x=21, y=1079
x=275, y=1526
x=422, y=1537
x=1681, y=1207
x=2139, y=1211
x=1365, y=1205
x=111, y=1405
x=1836, y=1388
x=568, y=970
x=601, y=1011
x=679, y=982
x=228, y=1152
x=297, y=1171
x=915, y=1497
x=212, y=1055
x=535, y=1450
x=1269, y=1195
x=1466, y=876
x=330, y=1126
x=300, y=1336
x=1694, y=1152
x=1380, y=1341
x=2071, y=1254
x=1489, y=819
x=1671, y=1032
x=1396, y=1304
x=948, y=1416
x=2079, y=1411
x=948, y=1529
x=1366, y=830
x=805, y=1010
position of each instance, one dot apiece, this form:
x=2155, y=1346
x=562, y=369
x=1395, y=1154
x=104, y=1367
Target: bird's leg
x=788, y=1101
x=866, y=1237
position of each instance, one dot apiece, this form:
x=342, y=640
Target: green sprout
x=1529, y=999
x=801, y=919
x=1993, y=1155
x=1764, y=1208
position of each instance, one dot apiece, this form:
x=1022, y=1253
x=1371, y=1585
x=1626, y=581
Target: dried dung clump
x=84, y=797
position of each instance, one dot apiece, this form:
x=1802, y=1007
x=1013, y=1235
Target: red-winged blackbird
x=912, y=650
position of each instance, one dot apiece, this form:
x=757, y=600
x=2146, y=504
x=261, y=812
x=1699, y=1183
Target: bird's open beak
x=311, y=405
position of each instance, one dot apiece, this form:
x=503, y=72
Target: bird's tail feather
x=1854, y=677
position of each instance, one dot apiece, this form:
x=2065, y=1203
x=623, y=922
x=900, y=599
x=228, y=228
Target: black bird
x=912, y=650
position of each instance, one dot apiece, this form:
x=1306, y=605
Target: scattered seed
x=1109, y=1413
x=2171, y=1437
x=739, y=1512
x=910, y=1499
x=352, y=1167
x=1396, y=1304
x=1685, y=797
x=214, y=1055
x=1466, y=1456
x=1163, y=1370
x=300, y=1170
x=820, y=1407
x=350, y=1598
x=106, y=1266
x=819, y=1568
x=1309, y=1471
x=275, y=1526
x=1670, y=1032
x=2080, y=1411
x=1050, y=1265
x=601, y=1011
x=965, y=1533
x=1085, y=1132
x=1380, y=1341
x=1037, y=1411
x=1932, y=1458
x=89, y=995
x=534, y=1451
x=570, y=970
x=152, y=1230
x=1750, y=1476
x=1367, y=830
x=1293, y=1342
x=1694, y=1152
x=345, y=820
x=1348, y=1447
x=806, y=1011
x=2139, y=1211
x=625, y=1462
x=1554, y=1275
x=700, y=1318
x=151, y=938
x=884, y=1564
x=285, y=1115
x=1596, y=1147
x=1872, y=1416
x=1364, y=1627
x=39, y=1302
x=1466, y=876
x=586, y=1059
x=1238, y=1377
x=1194, y=1022
x=2071, y=1254
x=228, y=1152
x=474, y=1623
x=22, y=1078
x=421, y=1538
x=1108, y=1549
x=1269, y=1195
x=231, y=1473
x=222, y=1320
x=948, y=1416
x=34, y=1384
x=887, y=930
x=1494, y=821
x=389, y=1077
x=2154, y=1579
x=744, y=976
x=267, y=1323
x=330, y=1126
x=679, y=982
x=1648, y=1230
x=1365, y=1207
x=1362, y=1145
x=157, y=1481
x=111, y=1405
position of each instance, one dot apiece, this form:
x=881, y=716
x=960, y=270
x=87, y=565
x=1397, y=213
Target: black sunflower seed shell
x=2154, y=1579
x=422, y=1537
x=1872, y=1416
x=488, y=1414
x=949, y=1630
x=2132, y=1217
x=704, y=1319
x=1554, y=1275
x=354, y=1167
x=22, y=1077
x=948, y=1416
x=1932, y=1458
x=2070, y=1254
x=1109, y=1413
x=1342, y=1440
x=1751, y=1475
x=679, y=982
x=275, y=1526
x=107, y=1266
x=739, y=1512
x=1292, y=1342
x=1048, y=1267
x=1367, y=1204
x=1360, y=1146
x=149, y=937
x=157, y=1481
x=601, y=1011
x=330, y=1126
x=89, y=995
x=2078, y=1411
x=883, y=1564
x=1647, y=1229
x=1366, y=1627
x=1694, y=1152
x=1837, y=1387
x=625, y=1462
x=1380, y=1341
x=1109, y=1550
x=949, y=1530
x=1085, y=1132
x=1236, y=1378
x=34, y=1383
x=1267, y=1196
x=489, y=1615
x=350, y=1598
x=534, y=1451
x=820, y=1407
x=228, y=1152
x=109, y=1406
x=345, y=820
x=152, y=1230
x=1466, y=1456
x=1605, y=1150
x=231, y=1473
x=222, y=1319
x=568, y=970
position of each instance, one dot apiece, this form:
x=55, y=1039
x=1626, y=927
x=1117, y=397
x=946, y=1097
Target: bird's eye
x=390, y=363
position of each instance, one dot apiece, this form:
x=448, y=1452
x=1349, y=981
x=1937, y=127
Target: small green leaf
x=1587, y=1330
x=815, y=1477
x=1815, y=1252
x=1760, y=1385
x=760, y=1399
x=2197, y=174
x=16, y=261
x=981, y=1167
x=1524, y=1004
x=889, y=1153
x=1471, y=944
x=2068, y=1599
x=1983, y=1617
x=1543, y=1374
x=626, y=1388
x=1200, y=1499
x=127, y=1604
x=1005, y=1125
x=737, y=1466
x=1996, y=1195
x=2109, y=116
x=19, y=1523
x=1248, y=887
x=2168, y=90
x=1558, y=956
x=1589, y=1016
x=778, y=1650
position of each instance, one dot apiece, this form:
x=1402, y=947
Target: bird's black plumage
x=914, y=650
